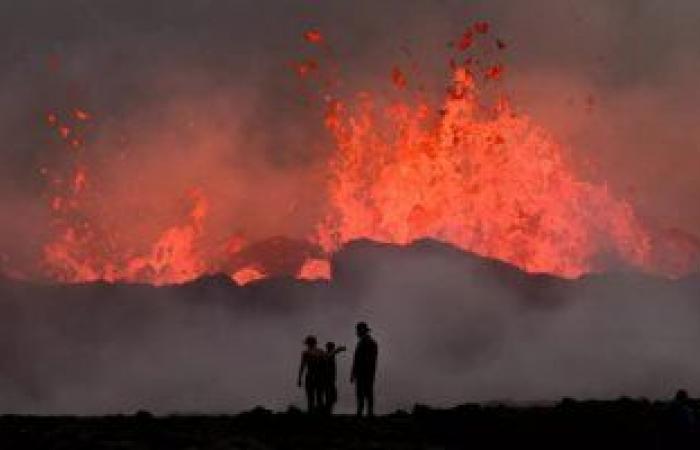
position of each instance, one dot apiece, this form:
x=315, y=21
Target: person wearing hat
x=364, y=366
x=313, y=363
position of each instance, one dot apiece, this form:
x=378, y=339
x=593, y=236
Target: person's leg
x=333, y=398
x=327, y=399
x=309, y=396
x=370, y=398
x=359, y=395
x=320, y=399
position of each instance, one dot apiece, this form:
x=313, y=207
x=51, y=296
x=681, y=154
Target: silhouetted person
x=330, y=372
x=312, y=362
x=364, y=366
x=682, y=417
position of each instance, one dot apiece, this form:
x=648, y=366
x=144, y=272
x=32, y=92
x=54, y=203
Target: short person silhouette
x=330, y=371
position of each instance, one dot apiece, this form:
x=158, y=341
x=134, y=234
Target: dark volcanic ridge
x=359, y=262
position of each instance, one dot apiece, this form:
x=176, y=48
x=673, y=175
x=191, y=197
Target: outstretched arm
x=302, y=366
x=340, y=349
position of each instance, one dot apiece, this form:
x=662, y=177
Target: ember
x=313, y=36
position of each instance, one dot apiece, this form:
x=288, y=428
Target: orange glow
x=63, y=131
x=487, y=179
x=79, y=180
x=466, y=40
x=398, y=78
x=248, y=275
x=81, y=115
x=482, y=27
x=51, y=119
x=495, y=72
x=78, y=253
x=305, y=68
x=313, y=36
x=315, y=269
x=56, y=203
x=235, y=244
x=471, y=170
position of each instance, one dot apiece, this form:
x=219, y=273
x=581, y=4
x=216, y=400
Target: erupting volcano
x=473, y=171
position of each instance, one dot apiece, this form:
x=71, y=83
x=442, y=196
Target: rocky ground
x=625, y=423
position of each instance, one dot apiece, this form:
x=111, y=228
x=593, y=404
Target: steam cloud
x=199, y=92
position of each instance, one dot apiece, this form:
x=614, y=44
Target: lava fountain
x=473, y=171
x=483, y=177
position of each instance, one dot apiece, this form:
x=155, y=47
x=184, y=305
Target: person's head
x=681, y=395
x=310, y=341
x=330, y=346
x=362, y=329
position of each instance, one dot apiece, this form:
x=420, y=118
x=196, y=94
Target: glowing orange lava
x=474, y=172
x=248, y=275
x=315, y=269
x=485, y=178
x=81, y=251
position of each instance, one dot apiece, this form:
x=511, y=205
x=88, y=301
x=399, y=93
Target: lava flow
x=474, y=172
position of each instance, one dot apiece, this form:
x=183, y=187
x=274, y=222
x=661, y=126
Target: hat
x=310, y=340
x=362, y=326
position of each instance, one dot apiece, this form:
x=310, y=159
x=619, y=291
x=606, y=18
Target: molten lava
x=82, y=250
x=472, y=171
x=485, y=178
x=315, y=269
x=248, y=275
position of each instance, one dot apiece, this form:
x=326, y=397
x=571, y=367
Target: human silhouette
x=364, y=366
x=312, y=363
x=682, y=417
x=330, y=371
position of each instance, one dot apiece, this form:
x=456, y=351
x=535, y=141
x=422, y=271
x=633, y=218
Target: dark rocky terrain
x=625, y=423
